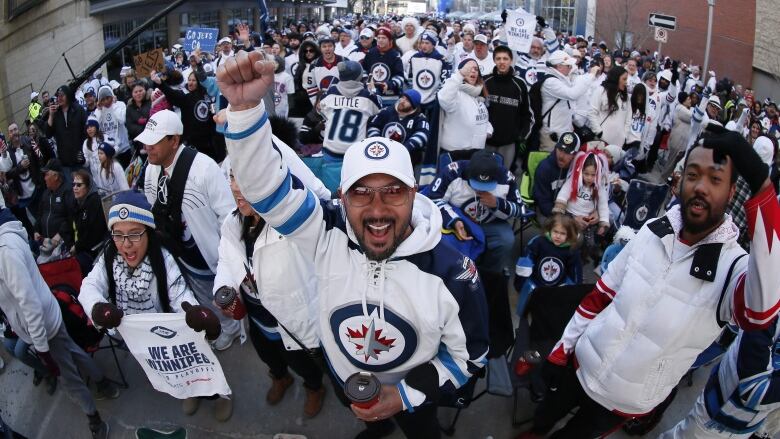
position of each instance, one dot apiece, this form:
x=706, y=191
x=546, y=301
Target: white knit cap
x=765, y=149
x=376, y=155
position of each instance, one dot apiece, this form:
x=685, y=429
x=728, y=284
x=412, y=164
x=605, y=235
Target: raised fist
x=245, y=78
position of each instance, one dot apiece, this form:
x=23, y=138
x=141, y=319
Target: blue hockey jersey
x=451, y=187
x=412, y=130
x=385, y=68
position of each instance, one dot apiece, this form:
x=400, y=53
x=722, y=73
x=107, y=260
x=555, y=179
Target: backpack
x=79, y=327
x=535, y=102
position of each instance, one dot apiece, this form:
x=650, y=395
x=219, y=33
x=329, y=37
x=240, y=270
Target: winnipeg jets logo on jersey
x=370, y=343
x=395, y=131
x=469, y=273
x=380, y=72
x=202, y=110
x=550, y=269
x=477, y=211
x=377, y=151
x=293, y=68
x=425, y=79
x=327, y=81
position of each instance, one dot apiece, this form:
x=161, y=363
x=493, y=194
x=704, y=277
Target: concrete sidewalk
x=32, y=412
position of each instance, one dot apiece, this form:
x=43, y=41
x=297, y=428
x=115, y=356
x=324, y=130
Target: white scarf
x=132, y=286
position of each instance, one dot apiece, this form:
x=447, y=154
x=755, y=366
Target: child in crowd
x=584, y=196
x=622, y=236
x=90, y=147
x=550, y=260
x=110, y=177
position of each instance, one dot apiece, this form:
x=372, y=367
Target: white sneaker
x=225, y=340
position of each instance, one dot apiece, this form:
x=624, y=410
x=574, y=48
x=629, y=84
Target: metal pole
x=78, y=80
x=710, y=7
x=659, y=50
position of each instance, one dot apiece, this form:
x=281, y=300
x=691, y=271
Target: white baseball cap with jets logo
x=161, y=124
x=376, y=155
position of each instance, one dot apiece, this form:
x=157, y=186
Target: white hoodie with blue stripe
x=417, y=320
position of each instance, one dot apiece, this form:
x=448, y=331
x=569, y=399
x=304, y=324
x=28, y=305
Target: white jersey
x=427, y=73
x=346, y=118
x=283, y=86
x=291, y=63
x=485, y=65
x=112, y=125
x=319, y=76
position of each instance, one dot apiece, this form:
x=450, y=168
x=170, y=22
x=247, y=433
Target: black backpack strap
x=167, y=217
x=109, y=254
x=723, y=323
x=548, y=113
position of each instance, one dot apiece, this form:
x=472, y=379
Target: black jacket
x=136, y=118
x=196, y=117
x=508, y=108
x=53, y=215
x=69, y=133
x=91, y=227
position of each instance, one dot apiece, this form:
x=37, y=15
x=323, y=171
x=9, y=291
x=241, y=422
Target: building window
x=16, y=8
x=242, y=15
x=560, y=14
x=200, y=19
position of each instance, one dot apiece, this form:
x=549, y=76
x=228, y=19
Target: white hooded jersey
x=346, y=118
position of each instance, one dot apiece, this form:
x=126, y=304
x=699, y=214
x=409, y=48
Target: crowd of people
x=373, y=173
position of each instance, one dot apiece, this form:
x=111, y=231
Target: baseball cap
x=162, y=123
x=225, y=40
x=53, y=165
x=568, y=143
x=376, y=155
x=714, y=100
x=481, y=38
x=33, y=95
x=367, y=33
x=765, y=149
x=561, y=57
x=483, y=171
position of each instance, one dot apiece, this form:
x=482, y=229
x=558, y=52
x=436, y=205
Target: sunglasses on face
x=76, y=184
x=393, y=195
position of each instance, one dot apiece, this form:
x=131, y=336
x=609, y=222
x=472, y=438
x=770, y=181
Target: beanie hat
x=386, y=32
x=92, y=122
x=616, y=152
x=428, y=35
x=765, y=149
x=349, y=71
x=413, y=96
x=107, y=148
x=131, y=206
x=466, y=61
x=648, y=74
x=105, y=91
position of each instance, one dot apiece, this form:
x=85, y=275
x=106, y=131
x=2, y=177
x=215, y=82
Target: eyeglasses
x=393, y=195
x=119, y=238
x=77, y=184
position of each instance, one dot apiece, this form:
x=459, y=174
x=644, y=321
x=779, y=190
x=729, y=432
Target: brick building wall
x=733, y=31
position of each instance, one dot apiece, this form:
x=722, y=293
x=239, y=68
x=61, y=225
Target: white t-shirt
x=283, y=86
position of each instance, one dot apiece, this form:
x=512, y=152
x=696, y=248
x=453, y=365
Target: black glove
x=540, y=21
x=745, y=159
x=49, y=363
x=503, y=16
x=200, y=74
x=552, y=374
x=200, y=318
x=598, y=135
x=107, y=315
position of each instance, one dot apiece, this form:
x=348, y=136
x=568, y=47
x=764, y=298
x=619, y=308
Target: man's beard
x=398, y=238
x=711, y=221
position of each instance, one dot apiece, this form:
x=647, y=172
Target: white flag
x=520, y=28
x=177, y=360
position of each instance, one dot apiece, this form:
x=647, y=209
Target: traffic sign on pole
x=664, y=21
x=661, y=35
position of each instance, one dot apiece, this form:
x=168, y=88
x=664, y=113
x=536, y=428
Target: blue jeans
x=498, y=252
x=21, y=350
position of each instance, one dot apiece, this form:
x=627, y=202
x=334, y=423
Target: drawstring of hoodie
x=375, y=270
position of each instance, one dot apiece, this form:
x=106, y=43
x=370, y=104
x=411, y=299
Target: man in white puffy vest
x=666, y=296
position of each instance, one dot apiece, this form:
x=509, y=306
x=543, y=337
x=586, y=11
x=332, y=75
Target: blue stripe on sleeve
x=249, y=131
x=300, y=216
x=404, y=398
x=266, y=204
x=446, y=359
